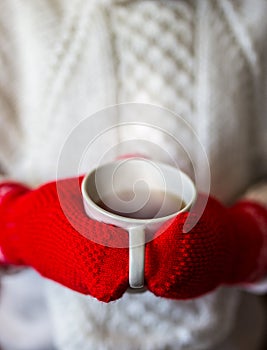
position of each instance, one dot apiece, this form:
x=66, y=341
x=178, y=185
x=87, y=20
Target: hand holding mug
x=227, y=246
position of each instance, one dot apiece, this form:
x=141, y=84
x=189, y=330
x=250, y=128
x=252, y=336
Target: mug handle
x=136, y=256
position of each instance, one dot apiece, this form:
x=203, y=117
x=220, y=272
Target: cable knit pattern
x=60, y=61
x=149, y=52
x=155, y=56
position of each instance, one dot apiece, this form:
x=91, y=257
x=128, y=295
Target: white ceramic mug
x=116, y=177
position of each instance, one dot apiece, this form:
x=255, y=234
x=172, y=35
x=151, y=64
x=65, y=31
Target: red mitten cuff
x=9, y=191
x=251, y=238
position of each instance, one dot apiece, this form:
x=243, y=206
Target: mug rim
x=91, y=203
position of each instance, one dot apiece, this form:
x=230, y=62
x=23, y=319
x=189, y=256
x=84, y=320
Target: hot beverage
x=156, y=204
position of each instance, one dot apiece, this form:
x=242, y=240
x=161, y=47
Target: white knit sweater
x=61, y=61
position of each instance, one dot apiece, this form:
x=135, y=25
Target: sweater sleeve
x=261, y=162
x=11, y=126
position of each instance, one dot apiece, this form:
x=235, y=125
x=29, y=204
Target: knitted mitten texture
x=226, y=246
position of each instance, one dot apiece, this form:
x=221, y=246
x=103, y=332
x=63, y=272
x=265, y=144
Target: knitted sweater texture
x=61, y=61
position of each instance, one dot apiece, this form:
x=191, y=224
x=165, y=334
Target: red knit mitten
x=226, y=246
x=34, y=231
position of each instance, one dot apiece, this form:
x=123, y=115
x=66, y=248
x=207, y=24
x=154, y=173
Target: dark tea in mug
x=156, y=204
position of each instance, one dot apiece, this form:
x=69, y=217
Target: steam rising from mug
x=157, y=133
